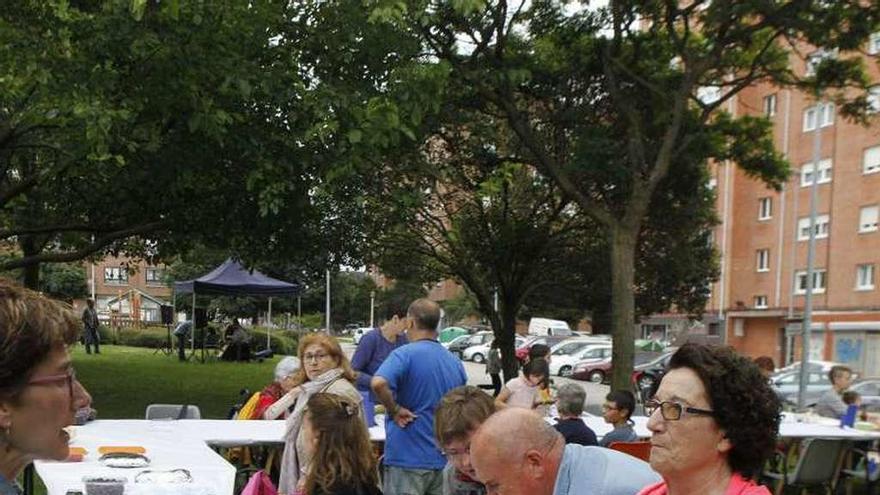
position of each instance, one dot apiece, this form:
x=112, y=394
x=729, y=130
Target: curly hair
x=745, y=406
x=343, y=455
x=332, y=347
x=31, y=326
x=461, y=411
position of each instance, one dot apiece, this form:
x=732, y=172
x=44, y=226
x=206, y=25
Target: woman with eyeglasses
x=339, y=444
x=325, y=369
x=39, y=392
x=714, y=422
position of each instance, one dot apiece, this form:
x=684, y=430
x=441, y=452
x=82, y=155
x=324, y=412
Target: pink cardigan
x=738, y=486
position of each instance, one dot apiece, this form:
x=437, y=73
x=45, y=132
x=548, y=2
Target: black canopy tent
x=232, y=279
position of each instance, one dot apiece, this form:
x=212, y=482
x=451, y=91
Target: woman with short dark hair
x=714, y=421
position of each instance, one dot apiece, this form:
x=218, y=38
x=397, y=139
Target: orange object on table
x=124, y=449
x=76, y=454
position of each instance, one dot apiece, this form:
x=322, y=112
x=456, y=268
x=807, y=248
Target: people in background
x=459, y=414
x=494, y=368
x=91, y=337
x=39, y=391
x=337, y=441
x=410, y=384
x=570, y=405
x=617, y=410
x=713, y=421
x=182, y=331
x=516, y=452
x=830, y=403
x=376, y=345
x=325, y=369
x=766, y=365
x=524, y=391
x=238, y=343
x=285, y=373
x=539, y=351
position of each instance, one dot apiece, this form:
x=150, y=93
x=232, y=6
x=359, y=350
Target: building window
x=868, y=217
x=874, y=99
x=654, y=331
x=818, y=282
x=770, y=105
x=821, y=227
x=760, y=302
x=874, y=43
x=153, y=276
x=765, y=208
x=763, y=260
x=816, y=58
x=115, y=275
x=822, y=113
x=871, y=160
x=865, y=277
x=824, y=173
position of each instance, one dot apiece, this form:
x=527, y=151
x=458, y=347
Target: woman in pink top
x=714, y=422
x=524, y=391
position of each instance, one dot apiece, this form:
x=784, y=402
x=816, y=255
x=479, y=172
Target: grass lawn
x=124, y=380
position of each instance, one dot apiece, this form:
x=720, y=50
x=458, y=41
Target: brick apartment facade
x=122, y=285
x=763, y=235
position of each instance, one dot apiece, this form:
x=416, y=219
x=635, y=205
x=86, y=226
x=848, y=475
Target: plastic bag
x=259, y=484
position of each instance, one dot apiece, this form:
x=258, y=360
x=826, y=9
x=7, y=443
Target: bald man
x=516, y=452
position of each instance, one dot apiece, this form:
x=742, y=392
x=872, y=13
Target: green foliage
x=283, y=342
x=460, y=307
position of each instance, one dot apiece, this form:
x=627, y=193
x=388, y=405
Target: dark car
x=646, y=375
x=600, y=371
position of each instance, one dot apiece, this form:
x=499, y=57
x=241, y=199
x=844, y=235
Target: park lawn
x=124, y=380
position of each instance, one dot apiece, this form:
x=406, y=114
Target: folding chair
x=640, y=450
x=867, y=469
x=818, y=465
x=173, y=411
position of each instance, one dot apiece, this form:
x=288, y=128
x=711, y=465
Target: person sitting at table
x=39, y=392
x=524, y=391
x=714, y=422
x=461, y=411
x=337, y=440
x=325, y=369
x=830, y=403
x=238, y=343
x=766, y=365
x=285, y=372
x=516, y=452
x=570, y=405
x=617, y=410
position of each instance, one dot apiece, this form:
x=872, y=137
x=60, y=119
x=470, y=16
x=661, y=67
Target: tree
x=605, y=102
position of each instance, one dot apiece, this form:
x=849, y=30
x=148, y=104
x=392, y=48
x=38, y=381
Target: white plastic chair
x=173, y=411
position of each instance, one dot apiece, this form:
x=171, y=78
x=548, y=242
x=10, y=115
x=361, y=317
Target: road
x=477, y=376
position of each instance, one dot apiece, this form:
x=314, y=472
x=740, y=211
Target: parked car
x=818, y=366
x=472, y=340
x=600, y=371
x=869, y=389
x=358, y=333
x=646, y=375
x=450, y=333
x=563, y=364
x=478, y=353
x=458, y=340
x=787, y=385
x=548, y=340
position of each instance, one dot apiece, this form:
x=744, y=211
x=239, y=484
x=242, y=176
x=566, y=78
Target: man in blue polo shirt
x=410, y=384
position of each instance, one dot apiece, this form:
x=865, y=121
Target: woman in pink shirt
x=714, y=422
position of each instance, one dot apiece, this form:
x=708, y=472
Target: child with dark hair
x=525, y=391
x=617, y=409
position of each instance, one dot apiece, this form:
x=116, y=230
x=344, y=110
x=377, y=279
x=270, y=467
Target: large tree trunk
x=508, y=350
x=30, y=272
x=623, y=246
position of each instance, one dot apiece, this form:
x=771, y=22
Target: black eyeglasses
x=69, y=377
x=672, y=411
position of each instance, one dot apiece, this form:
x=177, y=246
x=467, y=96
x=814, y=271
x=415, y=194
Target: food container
x=124, y=460
x=164, y=476
x=105, y=485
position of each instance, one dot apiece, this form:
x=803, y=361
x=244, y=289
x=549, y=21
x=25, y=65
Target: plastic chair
x=640, y=450
x=818, y=465
x=868, y=469
x=173, y=411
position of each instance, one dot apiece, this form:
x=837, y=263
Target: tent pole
x=193, y=343
x=269, y=327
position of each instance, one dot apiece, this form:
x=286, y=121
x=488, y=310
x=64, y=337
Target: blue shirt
x=371, y=352
x=601, y=471
x=9, y=488
x=419, y=375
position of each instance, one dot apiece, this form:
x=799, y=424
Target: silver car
x=786, y=386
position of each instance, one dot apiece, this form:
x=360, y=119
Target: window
x=874, y=99
x=763, y=260
x=822, y=113
x=824, y=173
x=871, y=160
x=770, y=105
x=816, y=58
x=818, y=282
x=760, y=302
x=874, y=43
x=868, y=219
x=115, y=275
x=865, y=277
x=153, y=276
x=821, y=227
x=765, y=208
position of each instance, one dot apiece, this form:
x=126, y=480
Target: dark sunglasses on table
x=69, y=377
x=672, y=411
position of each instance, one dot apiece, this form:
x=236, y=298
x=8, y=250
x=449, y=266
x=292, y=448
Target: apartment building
x=127, y=290
x=763, y=235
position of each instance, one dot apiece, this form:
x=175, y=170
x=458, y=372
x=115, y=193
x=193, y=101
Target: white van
x=546, y=326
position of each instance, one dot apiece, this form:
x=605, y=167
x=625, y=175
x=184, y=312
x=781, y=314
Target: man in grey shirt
x=516, y=452
x=830, y=404
x=617, y=409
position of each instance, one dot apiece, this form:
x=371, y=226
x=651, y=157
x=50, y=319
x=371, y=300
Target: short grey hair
x=570, y=398
x=286, y=367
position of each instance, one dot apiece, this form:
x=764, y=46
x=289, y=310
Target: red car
x=522, y=352
x=600, y=371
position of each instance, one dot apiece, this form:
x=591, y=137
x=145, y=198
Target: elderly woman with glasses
x=714, y=421
x=39, y=392
x=325, y=369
